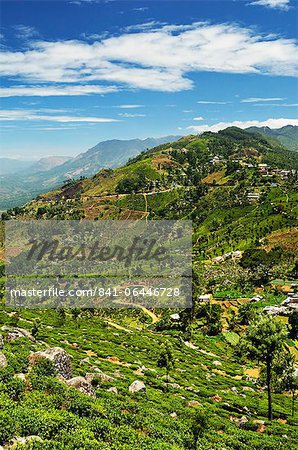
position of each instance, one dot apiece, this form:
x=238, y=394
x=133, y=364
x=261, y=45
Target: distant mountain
x=9, y=165
x=51, y=172
x=287, y=135
x=108, y=154
x=49, y=162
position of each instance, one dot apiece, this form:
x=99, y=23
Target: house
x=175, y=317
x=272, y=310
x=253, y=196
x=204, y=298
x=218, y=259
x=257, y=298
x=291, y=302
x=215, y=160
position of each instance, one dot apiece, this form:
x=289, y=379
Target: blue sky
x=78, y=72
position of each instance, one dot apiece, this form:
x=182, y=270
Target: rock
x=3, y=361
x=248, y=388
x=239, y=421
x=60, y=358
x=260, y=422
x=234, y=389
x=242, y=421
x=175, y=385
x=217, y=363
x=15, y=442
x=1, y=341
x=17, y=333
x=20, y=376
x=114, y=390
x=98, y=375
x=85, y=361
x=82, y=385
x=174, y=415
x=137, y=386
x=193, y=403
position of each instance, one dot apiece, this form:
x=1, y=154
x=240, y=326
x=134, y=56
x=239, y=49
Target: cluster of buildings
x=230, y=255
x=288, y=306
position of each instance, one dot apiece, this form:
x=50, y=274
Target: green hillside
x=202, y=388
x=287, y=136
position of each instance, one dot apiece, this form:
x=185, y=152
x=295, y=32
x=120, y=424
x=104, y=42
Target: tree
x=35, y=328
x=200, y=424
x=293, y=325
x=284, y=376
x=246, y=313
x=211, y=315
x=166, y=358
x=264, y=339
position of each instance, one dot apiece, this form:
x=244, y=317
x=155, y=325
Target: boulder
x=3, y=361
x=82, y=385
x=60, y=358
x=113, y=389
x=20, y=376
x=100, y=376
x=16, y=333
x=174, y=415
x=15, y=442
x=137, y=386
x=193, y=403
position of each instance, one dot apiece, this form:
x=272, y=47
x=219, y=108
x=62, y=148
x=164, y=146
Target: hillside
x=240, y=190
x=287, y=136
x=52, y=171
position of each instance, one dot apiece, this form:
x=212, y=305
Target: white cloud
x=159, y=59
x=260, y=99
x=152, y=25
x=198, y=118
x=131, y=115
x=277, y=104
x=145, y=8
x=47, y=91
x=274, y=4
x=25, y=32
x=271, y=123
x=33, y=115
x=202, y=102
x=128, y=106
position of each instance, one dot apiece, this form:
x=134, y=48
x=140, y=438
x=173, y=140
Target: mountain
x=195, y=380
x=9, y=165
x=287, y=135
x=51, y=172
x=48, y=163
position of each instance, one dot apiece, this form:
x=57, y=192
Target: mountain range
x=31, y=179
x=288, y=135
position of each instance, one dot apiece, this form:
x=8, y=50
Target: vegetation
x=222, y=374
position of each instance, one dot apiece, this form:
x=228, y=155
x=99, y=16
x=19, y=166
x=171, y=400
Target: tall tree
x=166, y=358
x=264, y=339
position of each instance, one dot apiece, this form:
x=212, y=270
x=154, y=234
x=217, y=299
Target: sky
x=74, y=73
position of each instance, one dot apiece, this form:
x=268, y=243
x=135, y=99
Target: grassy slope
x=223, y=221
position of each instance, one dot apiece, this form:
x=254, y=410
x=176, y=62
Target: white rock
x=137, y=386
x=3, y=360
